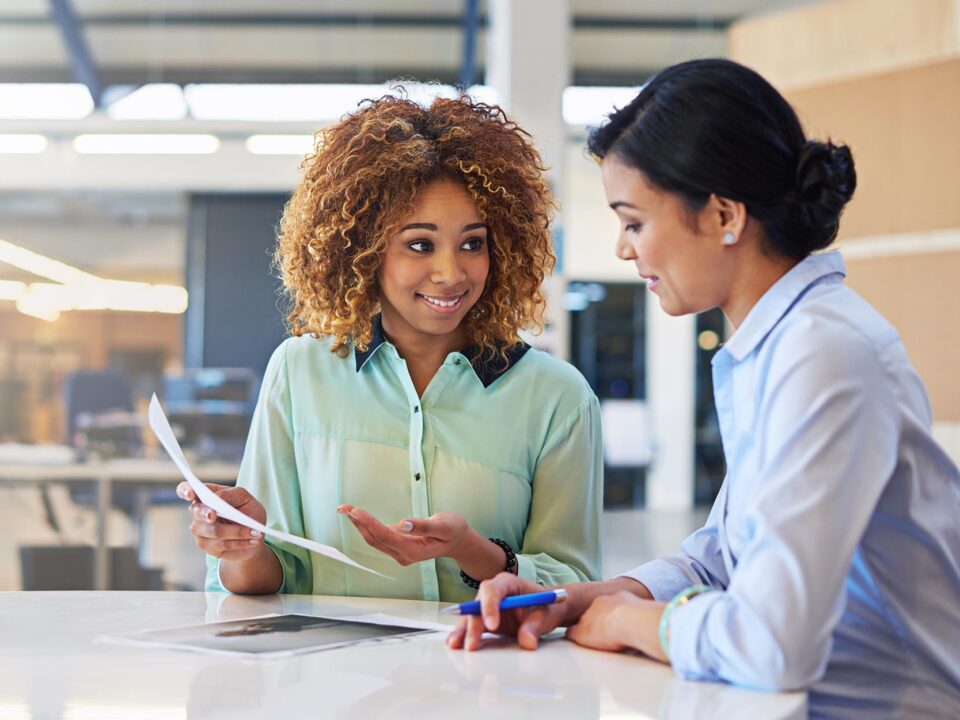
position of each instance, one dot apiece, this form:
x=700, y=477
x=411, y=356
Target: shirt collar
x=487, y=369
x=781, y=296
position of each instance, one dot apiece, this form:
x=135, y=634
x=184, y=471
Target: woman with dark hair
x=831, y=558
x=406, y=423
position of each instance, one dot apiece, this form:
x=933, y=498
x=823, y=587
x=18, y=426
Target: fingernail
x=254, y=533
x=254, y=542
x=406, y=526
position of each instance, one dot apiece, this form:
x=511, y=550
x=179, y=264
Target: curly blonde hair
x=360, y=185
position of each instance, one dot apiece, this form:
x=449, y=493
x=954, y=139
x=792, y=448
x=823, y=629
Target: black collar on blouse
x=487, y=369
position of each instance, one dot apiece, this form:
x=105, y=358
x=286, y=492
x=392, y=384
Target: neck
x=423, y=353
x=757, y=275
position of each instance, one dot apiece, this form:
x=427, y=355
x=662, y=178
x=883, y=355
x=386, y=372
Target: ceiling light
x=42, y=265
x=294, y=103
x=130, y=144
x=44, y=101
x=280, y=144
x=12, y=290
x=592, y=105
x=157, y=101
x=22, y=144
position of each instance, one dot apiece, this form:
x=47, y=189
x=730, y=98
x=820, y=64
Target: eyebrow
x=621, y=203
x=433, y=228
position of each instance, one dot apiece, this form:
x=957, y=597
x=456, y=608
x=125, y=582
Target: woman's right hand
x=221, y=538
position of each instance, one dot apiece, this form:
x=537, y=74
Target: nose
x=624, y=249
x=447, y=269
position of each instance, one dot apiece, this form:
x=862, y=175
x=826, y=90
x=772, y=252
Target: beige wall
x=883, y=76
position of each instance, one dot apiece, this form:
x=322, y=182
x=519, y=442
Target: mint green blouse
x=515, y=449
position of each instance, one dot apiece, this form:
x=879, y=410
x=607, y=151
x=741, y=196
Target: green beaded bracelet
x=681, y=598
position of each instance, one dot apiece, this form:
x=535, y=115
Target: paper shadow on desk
x=70, y=567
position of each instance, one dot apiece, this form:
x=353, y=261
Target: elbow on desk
x=781, y=668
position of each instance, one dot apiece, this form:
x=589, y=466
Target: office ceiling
x=135, y=42
x=184, y=41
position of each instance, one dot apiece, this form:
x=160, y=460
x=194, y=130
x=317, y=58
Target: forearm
x=580, y=595
x=479, y=558
x=260, y=575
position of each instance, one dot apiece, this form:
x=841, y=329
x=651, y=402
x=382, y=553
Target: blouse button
x=416, y=477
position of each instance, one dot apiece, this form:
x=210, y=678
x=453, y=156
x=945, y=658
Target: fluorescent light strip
x=592, y=105
x=130, y=144
x=298, y=103
x=75, y=289
x=12, y=290
x=280, y=144
x=42, y=265
x=44, y=101
x=22, y=144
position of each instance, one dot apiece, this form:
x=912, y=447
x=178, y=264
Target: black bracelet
x=511, y=562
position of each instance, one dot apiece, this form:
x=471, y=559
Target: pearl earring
x=729, y=238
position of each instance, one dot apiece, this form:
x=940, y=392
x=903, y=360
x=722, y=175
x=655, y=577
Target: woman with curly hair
x=406, y=423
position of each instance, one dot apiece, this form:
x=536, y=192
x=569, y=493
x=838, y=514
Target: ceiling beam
x=471, y=23
x=84, y=68
x=710, y=23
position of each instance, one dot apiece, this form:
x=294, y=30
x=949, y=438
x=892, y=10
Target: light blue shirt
x=835, y=539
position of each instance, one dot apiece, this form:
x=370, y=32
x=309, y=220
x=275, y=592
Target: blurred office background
x=146, y=151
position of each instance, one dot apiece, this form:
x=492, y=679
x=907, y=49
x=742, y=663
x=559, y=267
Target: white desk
x=103, y=476
x=50, y=668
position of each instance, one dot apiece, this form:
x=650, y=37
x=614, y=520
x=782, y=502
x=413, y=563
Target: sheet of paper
x=161, y=428
x=274, y=636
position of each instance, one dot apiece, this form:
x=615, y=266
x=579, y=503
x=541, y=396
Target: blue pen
x=547, y=597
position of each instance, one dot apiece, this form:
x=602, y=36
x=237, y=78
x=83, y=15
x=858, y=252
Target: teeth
x=441, y=303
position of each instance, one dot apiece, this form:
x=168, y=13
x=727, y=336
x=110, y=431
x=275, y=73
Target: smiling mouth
x=443, y=304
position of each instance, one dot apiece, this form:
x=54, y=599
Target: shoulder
x=832, y=333
x=309, y=352
x=548, y=369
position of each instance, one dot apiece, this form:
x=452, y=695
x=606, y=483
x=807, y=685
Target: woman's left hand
x=620, y=621
x=411, y=540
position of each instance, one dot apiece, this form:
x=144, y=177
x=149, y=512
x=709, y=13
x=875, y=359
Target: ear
x=726, y=217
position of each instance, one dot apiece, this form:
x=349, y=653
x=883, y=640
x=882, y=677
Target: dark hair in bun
x=716, y=127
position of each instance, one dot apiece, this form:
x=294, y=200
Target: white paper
x=161, y=428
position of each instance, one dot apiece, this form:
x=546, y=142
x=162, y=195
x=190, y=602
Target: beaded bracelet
x=681, y=598
x=511, y=562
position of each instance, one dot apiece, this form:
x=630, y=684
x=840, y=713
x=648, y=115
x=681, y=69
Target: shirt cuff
x=686, y=633
x=661, y=578
x=283, y=570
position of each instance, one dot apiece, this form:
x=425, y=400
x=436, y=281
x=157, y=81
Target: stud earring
x=729, y=238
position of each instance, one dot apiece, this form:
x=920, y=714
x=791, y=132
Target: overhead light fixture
x=22, y=144
x=138, y=144
x=156, y=101
x=37, y=308
x=108, y=295
x=44, y=101
x=42, y=265
x=75, y=289
x=592, y=105
x=294, y=103
x=12, y=289
x=280, y=144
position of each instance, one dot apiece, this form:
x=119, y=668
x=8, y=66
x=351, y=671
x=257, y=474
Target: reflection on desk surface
x=53, y=669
